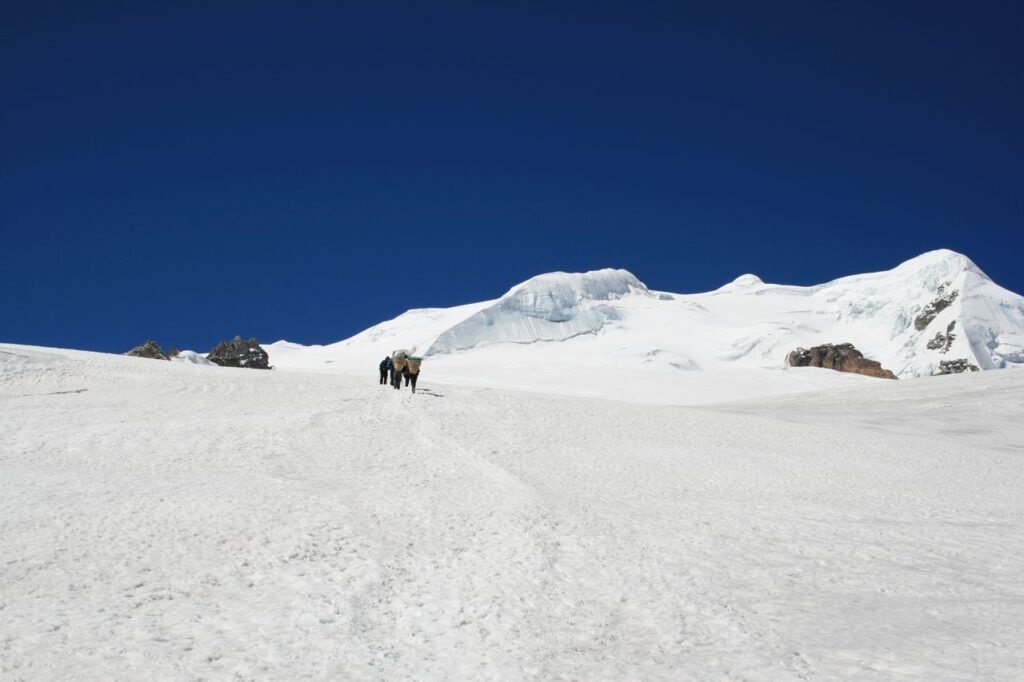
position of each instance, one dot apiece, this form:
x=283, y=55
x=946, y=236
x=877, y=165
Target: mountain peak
x=741, y=283
x=940, y=263
x=595, y=285
x=747, y=280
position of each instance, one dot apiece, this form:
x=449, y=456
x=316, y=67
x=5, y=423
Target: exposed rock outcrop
x=239, y=353
x=942, y=342
x=842, y=358
x=149, y=349
x=943, y=300
x=957, y=366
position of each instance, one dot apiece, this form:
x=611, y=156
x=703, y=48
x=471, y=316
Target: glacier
x=566, y=329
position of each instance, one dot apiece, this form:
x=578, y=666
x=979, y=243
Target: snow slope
x=171, y=521
x=569, y=332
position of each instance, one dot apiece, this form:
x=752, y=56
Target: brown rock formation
x=842, y=358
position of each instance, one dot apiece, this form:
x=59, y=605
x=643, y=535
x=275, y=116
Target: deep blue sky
x=188, y=172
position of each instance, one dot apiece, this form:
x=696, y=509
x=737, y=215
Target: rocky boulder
x=842, y=358
x=239, y=353
x=149, y=349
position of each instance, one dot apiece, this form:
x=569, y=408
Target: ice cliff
x=552, y=307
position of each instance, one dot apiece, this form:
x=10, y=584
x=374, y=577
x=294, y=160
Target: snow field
x=171, y=521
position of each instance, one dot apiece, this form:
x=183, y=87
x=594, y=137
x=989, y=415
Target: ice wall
x=551, y=307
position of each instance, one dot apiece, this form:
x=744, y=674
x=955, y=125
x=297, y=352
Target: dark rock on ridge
x=957, y=366
x=149, y=349
x=842, y=358
x=941, y=342
x=941, y=302
x=239, y=353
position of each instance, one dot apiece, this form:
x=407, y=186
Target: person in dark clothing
x=395, y=379
x=385, y=367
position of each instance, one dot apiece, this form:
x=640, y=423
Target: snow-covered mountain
x=165, y=520
x=932, y=313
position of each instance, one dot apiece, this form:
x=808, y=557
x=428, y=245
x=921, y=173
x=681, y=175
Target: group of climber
x=398, y=366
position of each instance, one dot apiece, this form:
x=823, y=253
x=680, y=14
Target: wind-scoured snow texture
x=166, y=521
x=553, y=307
x=557, y=332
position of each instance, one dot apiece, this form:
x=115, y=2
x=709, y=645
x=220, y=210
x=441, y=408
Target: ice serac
x=552, y=307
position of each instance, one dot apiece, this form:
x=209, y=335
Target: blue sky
x=192, y=171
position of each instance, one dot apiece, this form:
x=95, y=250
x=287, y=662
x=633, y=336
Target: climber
x=412, y=364
x=385, y=367
x=397, y=365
